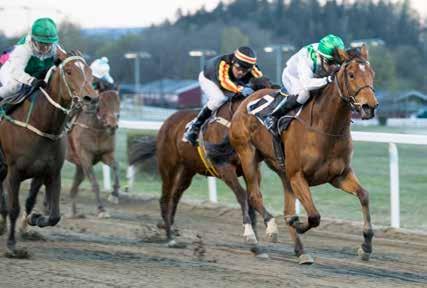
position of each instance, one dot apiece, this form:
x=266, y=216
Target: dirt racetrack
x=128, y=250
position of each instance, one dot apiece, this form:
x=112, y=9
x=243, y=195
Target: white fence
x=390, y=138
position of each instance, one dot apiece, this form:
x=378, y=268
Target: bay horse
x=179, y=161
x=91, y=140
x=33, y=146
x=317, y=146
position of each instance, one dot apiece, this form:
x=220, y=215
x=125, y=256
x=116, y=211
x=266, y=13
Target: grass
x=370, y=161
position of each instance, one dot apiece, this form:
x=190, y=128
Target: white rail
x=390, y=138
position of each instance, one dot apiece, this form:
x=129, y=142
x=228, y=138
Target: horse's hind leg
x=349, y=183
x=79, y=176
x=36, y=183
x=229, y=176
x=173, y=186
x=253, y=177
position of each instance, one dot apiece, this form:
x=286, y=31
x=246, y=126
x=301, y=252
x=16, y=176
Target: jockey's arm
x=18, y=61
x=306, y=77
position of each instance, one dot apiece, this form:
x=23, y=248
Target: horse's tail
x=220, y=153
x=142, y=148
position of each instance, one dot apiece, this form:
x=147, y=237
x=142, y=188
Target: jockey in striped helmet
x=221, y=78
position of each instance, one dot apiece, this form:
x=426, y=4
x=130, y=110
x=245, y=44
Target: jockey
x=301, y=75
x=101, y=73
x=222, y=77
x=29, y=61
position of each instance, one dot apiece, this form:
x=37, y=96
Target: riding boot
x=192, y=129
x=287, y=104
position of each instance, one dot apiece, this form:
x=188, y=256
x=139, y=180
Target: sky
x=17, y=16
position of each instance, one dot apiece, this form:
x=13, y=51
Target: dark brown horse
x=179, y=161
x=37, y=150
x=317, y=146
x=92, y=140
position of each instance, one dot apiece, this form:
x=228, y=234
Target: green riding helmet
x=328, y=44
x=44, y=31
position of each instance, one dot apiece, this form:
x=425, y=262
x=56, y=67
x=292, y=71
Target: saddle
x=264, y=106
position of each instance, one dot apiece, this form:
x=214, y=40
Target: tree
x=232, y=38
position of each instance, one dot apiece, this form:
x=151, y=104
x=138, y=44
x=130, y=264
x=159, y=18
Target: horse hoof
x=17, y=254
x=262, y=256
x=363, y=255
x=173, y=244
x=104, y=214
x=113, y=199
x=32, y=219
x=305, y=259
x=32, y=236
x=272, y=231
x=249, y=235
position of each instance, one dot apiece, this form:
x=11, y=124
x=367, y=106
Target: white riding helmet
x=100, y=67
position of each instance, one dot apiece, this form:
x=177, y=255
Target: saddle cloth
x=263, y=106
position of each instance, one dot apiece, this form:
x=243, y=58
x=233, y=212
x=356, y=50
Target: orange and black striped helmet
x=245, y=57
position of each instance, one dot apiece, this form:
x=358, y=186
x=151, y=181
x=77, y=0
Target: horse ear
x=341, y=55
x=364, y=52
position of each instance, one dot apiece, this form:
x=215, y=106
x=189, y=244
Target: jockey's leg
x=9, y=92
x=288, y=103
x=215, y=99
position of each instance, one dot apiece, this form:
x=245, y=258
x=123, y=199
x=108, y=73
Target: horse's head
x=260, y=83
x=108, y=111
x=354, y=81
x=76, y=79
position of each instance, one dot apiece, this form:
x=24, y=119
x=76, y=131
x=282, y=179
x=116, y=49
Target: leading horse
x=317, y=146
x=33, y=144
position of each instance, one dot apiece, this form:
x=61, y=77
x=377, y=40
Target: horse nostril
x=87, y=99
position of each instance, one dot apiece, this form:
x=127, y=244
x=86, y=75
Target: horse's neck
x=45, y=116
x=328, y=112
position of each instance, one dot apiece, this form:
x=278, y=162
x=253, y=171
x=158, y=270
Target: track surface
x=128, y=250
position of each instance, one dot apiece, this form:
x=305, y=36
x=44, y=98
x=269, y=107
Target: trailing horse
x=179, y=161
x=92, y=139
x=32, y=140
x=317, y=146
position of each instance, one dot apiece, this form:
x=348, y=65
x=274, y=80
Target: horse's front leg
x=13, y=184
x=349, y=183
x=90, y=174
x=3, y=204
x=109, y=160
x=302, y=191
x=53, y=191
x=36, y=183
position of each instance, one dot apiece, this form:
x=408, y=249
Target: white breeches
x=214, y=94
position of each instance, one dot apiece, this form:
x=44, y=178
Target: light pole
x=202, y=53
x=279, y=49
x=136, y=69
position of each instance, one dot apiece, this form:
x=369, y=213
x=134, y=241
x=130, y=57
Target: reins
x=76, y=103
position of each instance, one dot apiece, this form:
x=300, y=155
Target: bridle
x=351, y=99
x=71, y=112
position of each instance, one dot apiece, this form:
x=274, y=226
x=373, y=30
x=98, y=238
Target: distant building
x=165, y=93
x=401, y=104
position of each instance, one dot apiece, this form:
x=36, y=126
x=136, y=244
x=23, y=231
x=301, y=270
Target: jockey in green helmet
x=30, y=59
x=302, y=75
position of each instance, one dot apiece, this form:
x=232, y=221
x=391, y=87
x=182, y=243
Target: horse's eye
x=68, y=71
x=351, y=75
